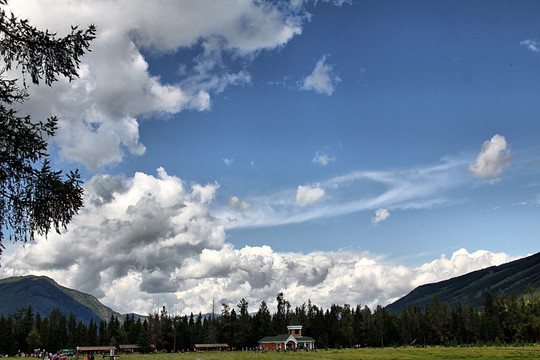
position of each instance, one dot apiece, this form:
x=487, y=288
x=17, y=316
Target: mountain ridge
x=512, y=277
x=44, y=294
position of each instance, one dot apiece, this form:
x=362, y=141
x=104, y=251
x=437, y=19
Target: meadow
x=478, y=353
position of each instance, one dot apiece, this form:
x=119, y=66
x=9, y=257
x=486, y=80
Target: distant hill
x=44, y=294
x=512, y=277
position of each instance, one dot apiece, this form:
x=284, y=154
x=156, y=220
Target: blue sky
x=418, y=82
x=374, y=139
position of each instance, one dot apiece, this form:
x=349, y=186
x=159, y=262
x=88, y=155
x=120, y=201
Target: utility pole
x=174, y=340
x=211, y=328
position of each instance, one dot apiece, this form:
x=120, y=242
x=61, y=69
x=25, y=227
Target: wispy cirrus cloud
x=415, y=188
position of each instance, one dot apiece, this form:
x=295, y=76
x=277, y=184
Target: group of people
x=42, y=355
x=51, y=356
x=37, y=354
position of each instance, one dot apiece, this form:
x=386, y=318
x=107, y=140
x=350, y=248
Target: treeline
x=504, y=320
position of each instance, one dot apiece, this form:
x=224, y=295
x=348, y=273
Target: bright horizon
x=337, y=151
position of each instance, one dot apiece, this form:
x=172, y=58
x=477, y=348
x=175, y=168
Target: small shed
x=104, y=350
x=128, y=349
x=211, y=347
x=94, y=349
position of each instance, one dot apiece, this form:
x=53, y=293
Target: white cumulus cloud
x=308, y=195
x=380, y=215
x=322, y=158
x=99, y=113
x=153, y=239
x=533, y=45
x=493, y=157
x=190, y=277
x=237, y=204
x=141, y=228
x=323, y=79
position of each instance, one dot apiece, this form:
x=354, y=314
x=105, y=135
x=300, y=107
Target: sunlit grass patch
x=406, y=353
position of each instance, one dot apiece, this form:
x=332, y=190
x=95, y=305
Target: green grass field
x=479, y=353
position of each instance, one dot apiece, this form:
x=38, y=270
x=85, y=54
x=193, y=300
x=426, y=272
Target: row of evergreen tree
x=504, y=319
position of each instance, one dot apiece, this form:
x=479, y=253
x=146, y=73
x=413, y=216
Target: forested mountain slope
x=44, y=294
x=513, y=277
